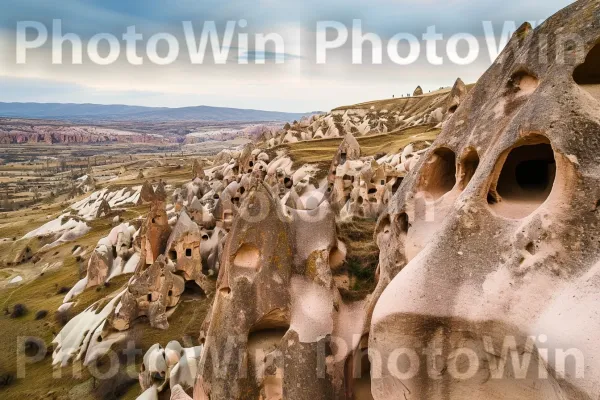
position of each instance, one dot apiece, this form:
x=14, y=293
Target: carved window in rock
x=467, y=168
x=587, y=75
x=525, y=177
x=438, y=175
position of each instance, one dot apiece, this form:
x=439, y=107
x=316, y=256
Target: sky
x=298, y=84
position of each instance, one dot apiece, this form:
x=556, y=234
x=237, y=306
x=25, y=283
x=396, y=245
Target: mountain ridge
x=89, y=112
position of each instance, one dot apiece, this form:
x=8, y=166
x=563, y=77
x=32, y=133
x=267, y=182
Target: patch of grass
x=362, y=257
x=42, y=293
x=321, y=151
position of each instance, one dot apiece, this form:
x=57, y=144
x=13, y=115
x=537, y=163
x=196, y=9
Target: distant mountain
x=97, y=113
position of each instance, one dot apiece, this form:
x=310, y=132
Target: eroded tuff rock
x=197, y=170
x=155, y=233
x=104, y=209
x=150, y=293
x=276, y=278
x=183, y=250
x=147, y=193
x=495, y=233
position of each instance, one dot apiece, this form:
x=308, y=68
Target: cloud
x=306, y=85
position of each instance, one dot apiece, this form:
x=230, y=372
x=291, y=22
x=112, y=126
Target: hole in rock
x=247, y=256
x=358, y=373
x=439, y=173
x=383, y=226
x=188, y=252
x=523, y=83
x=225, y=290
x=242, y=190
x=192, y=289
x=205, y=237
x=343, y=157
x=396, y=185
x=453, y=109
x=276, y=319
x=468, y=166
x=372, y=191
x=263, y=355
x=525, y=181
x=587, y=75
x=403, y=222
x=251, y=163
x=173, y=255
x=530, y=248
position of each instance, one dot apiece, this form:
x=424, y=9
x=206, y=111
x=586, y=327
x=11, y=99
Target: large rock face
x=496, y=232
x=269, y=330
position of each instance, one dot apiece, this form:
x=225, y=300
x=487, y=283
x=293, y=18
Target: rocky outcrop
x=104, y=209
x=183, y=250
x=483, y=231
x=22, y=131
x=155, y=234
x=276, y=261
x=147, y=193
x=197, y=171
x=149, y=294
x=418, y=91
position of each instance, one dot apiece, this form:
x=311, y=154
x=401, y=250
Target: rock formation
x=197, y=171
x=183, y=250
x=147, y=193
x=488, y=249
x=151, y=293
x=276, y=261
x=418, y=91
x=378, y=117
x=488, y=230
x=104, y=209
x=155, y=234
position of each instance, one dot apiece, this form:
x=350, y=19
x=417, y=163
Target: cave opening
x=587, y=75
x=439, y=173
x=525, y=181
x=468, y=166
